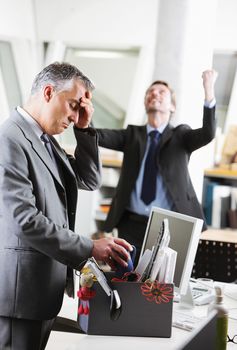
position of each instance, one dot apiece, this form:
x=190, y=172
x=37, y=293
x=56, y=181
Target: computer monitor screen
x=184, y=237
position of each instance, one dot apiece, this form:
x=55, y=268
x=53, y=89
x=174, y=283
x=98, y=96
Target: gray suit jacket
x=37, y=216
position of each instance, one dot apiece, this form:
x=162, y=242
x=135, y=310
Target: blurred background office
x=123, y=46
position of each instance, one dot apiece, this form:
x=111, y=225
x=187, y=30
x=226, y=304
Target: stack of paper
x=159, y=263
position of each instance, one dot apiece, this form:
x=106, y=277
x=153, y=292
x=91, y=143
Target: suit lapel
x=36, y=145
x=142, y=143
x=166, y=136
x=62, y=155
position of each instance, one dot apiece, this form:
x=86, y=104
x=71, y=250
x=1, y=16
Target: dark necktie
x=148, y=192
x=49, y=148
x=45, y=139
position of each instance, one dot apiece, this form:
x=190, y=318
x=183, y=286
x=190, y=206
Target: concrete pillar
x=184, y=49
x=232, y=108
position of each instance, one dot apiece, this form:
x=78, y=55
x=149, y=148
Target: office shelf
x=219, y=198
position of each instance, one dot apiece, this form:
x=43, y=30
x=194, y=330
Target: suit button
x=64, y=225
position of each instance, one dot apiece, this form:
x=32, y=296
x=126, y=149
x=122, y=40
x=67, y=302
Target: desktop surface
x=71, y=341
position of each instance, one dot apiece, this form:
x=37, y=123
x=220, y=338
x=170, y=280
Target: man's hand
x=112, y=249
x=85, y=111
x=209, y=78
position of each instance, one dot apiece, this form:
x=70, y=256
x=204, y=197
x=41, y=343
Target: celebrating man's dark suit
x=129, y=211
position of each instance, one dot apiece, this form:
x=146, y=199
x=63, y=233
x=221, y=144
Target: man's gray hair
x=60, y=76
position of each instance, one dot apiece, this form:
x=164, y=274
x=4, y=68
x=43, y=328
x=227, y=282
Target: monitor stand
x=186, y=301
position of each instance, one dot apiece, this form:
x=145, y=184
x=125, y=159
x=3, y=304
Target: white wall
x=226, y=29
x=198, y=48
x=16, y=20
x=18, y=25
x=120, y=24
x=104, y=22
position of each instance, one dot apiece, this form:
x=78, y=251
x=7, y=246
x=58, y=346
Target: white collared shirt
x=29, y=119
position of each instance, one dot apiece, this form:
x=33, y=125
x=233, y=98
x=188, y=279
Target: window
x=226, y=65
x=9, y=85
x=112, y=71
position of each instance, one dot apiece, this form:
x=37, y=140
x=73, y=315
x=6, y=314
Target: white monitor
x=184, y=237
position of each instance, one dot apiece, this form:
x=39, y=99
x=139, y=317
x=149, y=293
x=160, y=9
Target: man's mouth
x=154, y=100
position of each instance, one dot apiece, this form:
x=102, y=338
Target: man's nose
x=155, y=93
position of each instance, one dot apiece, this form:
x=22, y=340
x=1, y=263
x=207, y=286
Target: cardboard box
x=146, y=311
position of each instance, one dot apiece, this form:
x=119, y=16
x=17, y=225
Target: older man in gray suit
x=38, y=196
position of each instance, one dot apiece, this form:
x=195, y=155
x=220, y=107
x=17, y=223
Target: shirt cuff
x=210, y=104
x=90, y=131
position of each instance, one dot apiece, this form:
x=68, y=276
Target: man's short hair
x=60, y=76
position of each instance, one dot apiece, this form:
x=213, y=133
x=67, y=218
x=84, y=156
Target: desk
x=72, y=341
x=222, y=173
x=222, y=235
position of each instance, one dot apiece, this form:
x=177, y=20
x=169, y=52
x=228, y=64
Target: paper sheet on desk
x=144, y=261
x=185, y=321
x=230, y=290
x=230, y=295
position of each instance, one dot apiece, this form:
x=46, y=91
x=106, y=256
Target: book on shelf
x=110, y=177
x=105, y=201
x=208, y=201
x=232, y=213
x=104, y=205
x=100, y=216
x=220, y=205
x=104, y=208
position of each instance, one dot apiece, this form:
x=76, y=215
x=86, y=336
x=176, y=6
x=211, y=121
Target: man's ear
x=172, y=108
x=48, y=92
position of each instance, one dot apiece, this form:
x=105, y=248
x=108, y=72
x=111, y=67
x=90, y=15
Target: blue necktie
x=148, y=192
